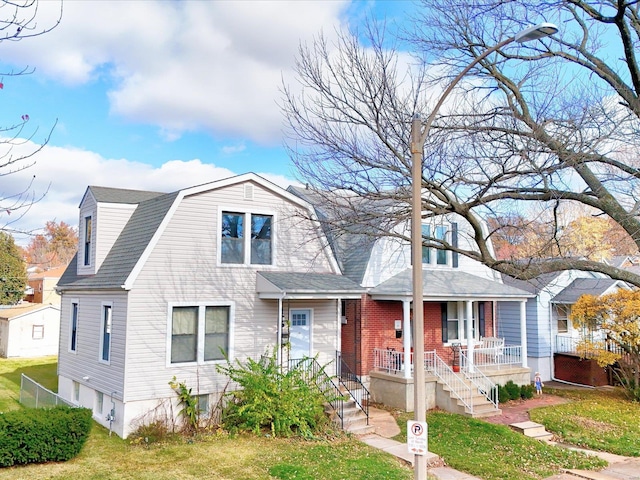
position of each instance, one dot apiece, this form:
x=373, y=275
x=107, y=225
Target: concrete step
x=532, y=429
x=589, y=475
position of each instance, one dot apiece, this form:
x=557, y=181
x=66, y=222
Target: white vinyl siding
x=184, y=269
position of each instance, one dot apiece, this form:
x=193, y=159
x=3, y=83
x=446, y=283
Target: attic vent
x=248, y=191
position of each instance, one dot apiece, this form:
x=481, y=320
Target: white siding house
x=169, y=284
x=29, y=330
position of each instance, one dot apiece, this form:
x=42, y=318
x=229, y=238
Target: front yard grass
x=492, y=451
x=595, y=419
x=214, y=456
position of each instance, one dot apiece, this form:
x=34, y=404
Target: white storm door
x=300, y=333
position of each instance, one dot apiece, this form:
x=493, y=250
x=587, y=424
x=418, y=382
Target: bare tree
x=19, y=21
x=533, y=129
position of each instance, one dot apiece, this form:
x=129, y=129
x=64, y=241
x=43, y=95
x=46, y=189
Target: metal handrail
x=352, y=384
x=460, y=389
x=315, y=372
x=480, y=381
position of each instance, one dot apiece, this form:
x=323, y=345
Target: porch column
x=279, y=339
x=523, y=332
x=406, y=337
x=468, y=315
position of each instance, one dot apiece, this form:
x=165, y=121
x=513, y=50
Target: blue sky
x=157, y=95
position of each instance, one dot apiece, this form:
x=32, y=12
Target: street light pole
x=419, y=136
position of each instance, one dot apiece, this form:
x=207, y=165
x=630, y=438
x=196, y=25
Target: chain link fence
x=34, y=395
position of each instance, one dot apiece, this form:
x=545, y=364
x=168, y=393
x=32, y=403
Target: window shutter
x=445, y=330
x=454, y=243
x=481, y=321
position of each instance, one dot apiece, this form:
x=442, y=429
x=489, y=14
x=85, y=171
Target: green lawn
x=595, y=419
x=43, y=370
x=495, y=452
x=215, y=456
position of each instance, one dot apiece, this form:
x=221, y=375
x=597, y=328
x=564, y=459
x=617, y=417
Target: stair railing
x=313, y=371
x=480, y=381
x=456, y=383
x=350, y=382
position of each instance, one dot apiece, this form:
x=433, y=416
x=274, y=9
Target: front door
x=300, y=333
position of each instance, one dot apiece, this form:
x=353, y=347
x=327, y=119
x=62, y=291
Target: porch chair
x=492, y=347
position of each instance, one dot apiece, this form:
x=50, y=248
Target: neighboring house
x=29, y=330
x=167, y=285
x=42, y=286
x=460, y=295
x=552, y=339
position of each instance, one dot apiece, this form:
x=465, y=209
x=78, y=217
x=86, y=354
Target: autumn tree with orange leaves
x=617, y=317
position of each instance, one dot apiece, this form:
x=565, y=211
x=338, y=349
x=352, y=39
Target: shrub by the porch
x=43, y=435
x=282, y=403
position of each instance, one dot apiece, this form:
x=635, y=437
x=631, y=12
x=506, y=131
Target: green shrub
x=503, y=394
x=513, y=390
x=189, y=402
x=284, y=403
x=43, y=435
x=527, y=391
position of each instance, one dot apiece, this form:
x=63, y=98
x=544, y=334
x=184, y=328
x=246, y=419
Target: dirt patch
x=597, y=425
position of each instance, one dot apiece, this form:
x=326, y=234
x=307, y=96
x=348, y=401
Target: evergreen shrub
x=43, y=435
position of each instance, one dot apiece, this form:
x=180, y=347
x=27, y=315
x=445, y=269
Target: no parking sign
x=417, y=437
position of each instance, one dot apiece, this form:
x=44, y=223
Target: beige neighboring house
x=41, y=286
x=29, y=330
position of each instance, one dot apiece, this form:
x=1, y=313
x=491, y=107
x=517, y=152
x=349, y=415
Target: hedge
x=43, y=435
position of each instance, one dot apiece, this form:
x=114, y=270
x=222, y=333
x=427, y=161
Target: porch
x=471, y=391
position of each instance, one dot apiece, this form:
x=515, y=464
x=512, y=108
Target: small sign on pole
x=417, y=437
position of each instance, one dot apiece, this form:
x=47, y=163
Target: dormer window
x=87, y=241
x=447, y=233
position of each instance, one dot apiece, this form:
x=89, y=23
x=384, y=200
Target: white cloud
x=212, y=66
x=63, y=174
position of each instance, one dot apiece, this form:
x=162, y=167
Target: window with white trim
x=105, y=337
x=99, y=404
x=87, y=240
x=37, y=332
x=234, y=242
x=76, y=391
x=562, y=317
x=199, y=333
x=73, y=328
x=448, y=233
x=454, y=322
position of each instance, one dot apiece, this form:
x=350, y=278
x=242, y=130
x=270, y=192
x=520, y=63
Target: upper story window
x=235, y=243
x=448, y=233
x=87, y=240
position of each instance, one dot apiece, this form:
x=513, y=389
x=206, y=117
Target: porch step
x=354, y=420
x=533, y=430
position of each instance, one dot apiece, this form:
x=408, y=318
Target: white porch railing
x=509, y=355
x=462, y=385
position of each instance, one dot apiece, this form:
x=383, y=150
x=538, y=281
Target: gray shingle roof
x=447, y=283
x=583, y=286
x=534, y=285
x=297, y=282
x=121, y=195
x=127, y=249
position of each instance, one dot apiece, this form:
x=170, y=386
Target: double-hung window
x=105, y=337
x=235, y=242
x=562, y=317
x=73, y=328
x=199, y=333
x=454, y=321
x=87, y=240
x=445, y=233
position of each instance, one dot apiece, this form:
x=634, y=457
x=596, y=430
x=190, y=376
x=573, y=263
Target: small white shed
x=29, y=330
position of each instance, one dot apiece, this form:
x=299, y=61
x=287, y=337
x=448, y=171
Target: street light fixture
x=418, y=138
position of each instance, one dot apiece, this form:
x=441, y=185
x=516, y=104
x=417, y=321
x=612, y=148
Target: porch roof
x=305, y=285
x=586, y=286
x=441, y=285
